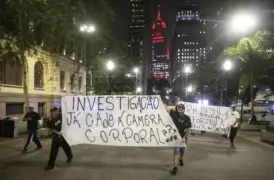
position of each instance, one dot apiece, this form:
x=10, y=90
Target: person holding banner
x=183, y=124
x=234, y=125
x=57, y=139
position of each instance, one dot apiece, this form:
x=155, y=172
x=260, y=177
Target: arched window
x=11, y=72
x=38, y=75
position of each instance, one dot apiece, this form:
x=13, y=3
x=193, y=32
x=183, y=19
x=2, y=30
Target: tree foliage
x=52, y=25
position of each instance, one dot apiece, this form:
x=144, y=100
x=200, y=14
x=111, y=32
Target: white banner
x=118, y=121
x=216, y=119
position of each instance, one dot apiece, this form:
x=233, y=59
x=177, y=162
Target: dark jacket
x=181, y=121
x=32, y=124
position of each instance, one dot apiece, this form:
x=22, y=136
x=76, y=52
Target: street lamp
x=243, y=22
x=187, y=70
x=110, y=67
x=136, y=71
x=138, y=90
x=189, y=89
x=227, y=65
x=87, y=28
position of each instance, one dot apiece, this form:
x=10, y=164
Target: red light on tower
x=153, y=26
x=163, y=24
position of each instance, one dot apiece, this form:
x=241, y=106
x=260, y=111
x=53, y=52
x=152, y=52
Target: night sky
x=168, y=8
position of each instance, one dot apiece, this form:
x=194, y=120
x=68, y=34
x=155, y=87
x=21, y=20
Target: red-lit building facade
x=160, y=49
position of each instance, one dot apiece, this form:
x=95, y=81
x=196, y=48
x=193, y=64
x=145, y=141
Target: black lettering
x=110, y=120
x=141, y=121
x=91, y=105
x=152, y=118
x=142, y=105
x=76, y=120
x=100, y=104
x=109, y=102
x=143, y=135
x=120, y=121
x=120, y=101
x=80, y=103
x=128, y=133
x=136, y=138
x=132, y=105
x=127, y=119
x=160, y=121
x=69, y=120
x=159, y=137
x=115, y=134
x=149, y=103
x=147, y=120
x=89, y=119
x=152, y=135
x=73, y=100
x=99, y=119
x=86, y=134
x=134, y=121
x=103, y=136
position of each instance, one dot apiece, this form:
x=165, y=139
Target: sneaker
x=174, y=171
x=70, y=159
x=40, y=147
x=24, y=151
x=181, y=162
x=48, y=167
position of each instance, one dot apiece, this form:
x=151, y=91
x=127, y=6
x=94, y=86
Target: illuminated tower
x=160, y=49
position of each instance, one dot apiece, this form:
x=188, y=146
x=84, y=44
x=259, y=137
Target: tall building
x=160, y=49
x=188, y=45
x=136, y=39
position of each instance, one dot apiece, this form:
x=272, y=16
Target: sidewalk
x=11, y=147
x=254, y=136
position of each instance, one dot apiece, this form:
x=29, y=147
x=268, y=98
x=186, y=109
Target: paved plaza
x=208, y=157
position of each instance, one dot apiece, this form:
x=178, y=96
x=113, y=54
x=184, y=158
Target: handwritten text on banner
x=214, y=119
x=118, y=121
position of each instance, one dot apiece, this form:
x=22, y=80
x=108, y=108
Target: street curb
x=257, y=142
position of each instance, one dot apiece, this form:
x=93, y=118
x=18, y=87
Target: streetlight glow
x=190, y=88
x=110, y=65
x=87, y=28
x=138, y=89
x=187, y=69
x=227, y=65
x=243, y=22
x=128, y=75
x=136, y=70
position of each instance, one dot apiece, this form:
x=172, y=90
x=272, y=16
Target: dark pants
x=232, y=135
x=56, y=143
x=32, y=136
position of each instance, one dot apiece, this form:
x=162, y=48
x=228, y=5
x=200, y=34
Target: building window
x=72, y=85
x=80, y=84
x=14, y=108
x=38, y=75
x=62, y=80
x=41, y=109
x=11, y=72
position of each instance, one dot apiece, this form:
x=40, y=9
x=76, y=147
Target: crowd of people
x=54, y=122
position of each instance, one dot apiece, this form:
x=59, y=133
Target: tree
x=51, y=25
x=253, y=58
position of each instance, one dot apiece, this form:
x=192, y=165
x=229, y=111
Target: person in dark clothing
x=58, y=140
x=183, y=124
x=32, y=123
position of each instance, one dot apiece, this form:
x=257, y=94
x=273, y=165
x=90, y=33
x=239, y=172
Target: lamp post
x=110, y=67
x=227, y=66
x=187, y=71
x=136, y=71
x=87, y=29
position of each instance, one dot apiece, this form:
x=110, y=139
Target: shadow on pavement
x=94, y=164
